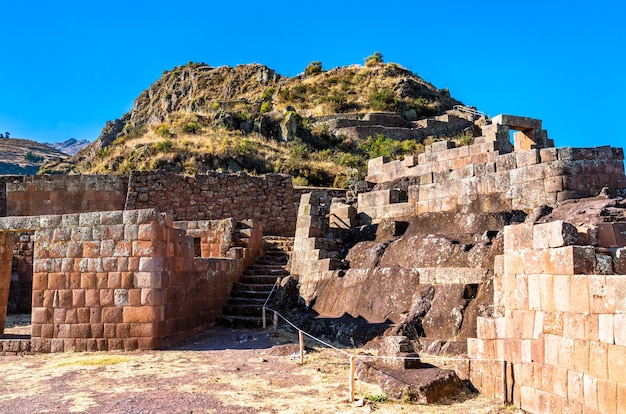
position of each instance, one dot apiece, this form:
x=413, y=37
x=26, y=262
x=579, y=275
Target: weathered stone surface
x=424, y=385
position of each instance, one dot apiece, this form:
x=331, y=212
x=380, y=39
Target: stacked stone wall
x=119, y=280
x=479, y=178
x=559, y=344
x=268, y=200
x=64, y=194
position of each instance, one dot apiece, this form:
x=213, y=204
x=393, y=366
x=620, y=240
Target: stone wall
x=121, y=280
x=268, y=200
x=559, y=342
x=56, y=194
x=479, y=178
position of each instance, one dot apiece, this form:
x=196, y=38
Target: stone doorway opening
x=16, y=284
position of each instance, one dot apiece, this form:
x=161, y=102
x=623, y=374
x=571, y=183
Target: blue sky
x=69, y=66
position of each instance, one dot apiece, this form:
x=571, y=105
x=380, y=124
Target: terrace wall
x=559, y=342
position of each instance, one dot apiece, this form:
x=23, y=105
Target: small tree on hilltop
x=375, y=59
x=314, y=68
x=6, y=135
x=1, y=135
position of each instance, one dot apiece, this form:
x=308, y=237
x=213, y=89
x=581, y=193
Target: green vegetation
x=375, y=59
x=314, y=68
x=30, y=157
x=383, y=99
x=191, y=128
x=164, y=146
x=382, y=146
x=164, y=131
x=377, y=398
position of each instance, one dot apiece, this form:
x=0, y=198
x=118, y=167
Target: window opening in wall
x=197, y=246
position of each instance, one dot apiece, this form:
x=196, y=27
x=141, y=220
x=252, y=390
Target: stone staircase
x=243, y=308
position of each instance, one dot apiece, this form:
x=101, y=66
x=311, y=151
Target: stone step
x=243, y=310
x=266, y=270
x=245, y=301
x=259, y=279
x=231, y=321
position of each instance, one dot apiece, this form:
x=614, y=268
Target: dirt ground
x=222, y=371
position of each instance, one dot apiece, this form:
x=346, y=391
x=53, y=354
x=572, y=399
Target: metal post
x=264, y=318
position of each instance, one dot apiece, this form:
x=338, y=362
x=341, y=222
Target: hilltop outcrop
x=313, y=126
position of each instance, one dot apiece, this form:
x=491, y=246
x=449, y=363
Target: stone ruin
x=512, y=255
x=509, y=255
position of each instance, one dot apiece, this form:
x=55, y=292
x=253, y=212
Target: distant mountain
x=71, y=146
x=25, y=157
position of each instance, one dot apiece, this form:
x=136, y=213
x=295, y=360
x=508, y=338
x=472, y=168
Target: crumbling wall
x=64, y=194
x=268, y=200
x=479, y=178
x=558, y=342
x=121, y=280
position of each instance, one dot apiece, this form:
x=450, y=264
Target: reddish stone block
x=566, y=352
x=122, y=330
x=102, y=280
x=546, y=292
x=107, y=297
x=598, y=366
x=138, y=314
x=112, y=315
x=95, y=315
x=88, y=281
x=91, y=249
x=607, y=396
x=617, y=365
x=592, y=327
x=518, y=236
x=122, y=248
x=57, y=281
x=41, y=315
x=57, y=345
x=560, y=378
x=134, y=297
x=131, y=344
x=619, y=329
x=63, y=330
x=554, y=234
x=147, y=280
x=35, y=330
x=109, y=330
x=146, y=343
x=579, y=294
x=92, y=298
x=590, y=389
x=127, y=280
x=103, y=344
x=116, y=344
x=572, y=407
x=92, y=345
x=143, y=329
x=615, y=294
x=574, y=325
x=581, y=355
x=64, y=298
x=605, y=328
x=74, y=280
x=114, y=280
x=47, y=330
x=538, y=350
x=621, y=398
x=562, y=293
x=78, y=298
x=598, y=292
x=528, y=399
x=83, y=315
x=80, y=330
x=575, y=387
x=97, y=330
x=553, y=323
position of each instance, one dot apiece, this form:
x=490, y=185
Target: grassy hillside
x=197, y=118
x=22, y=156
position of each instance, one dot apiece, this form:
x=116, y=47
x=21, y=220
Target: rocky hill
x=197, y=118
x=23, y=156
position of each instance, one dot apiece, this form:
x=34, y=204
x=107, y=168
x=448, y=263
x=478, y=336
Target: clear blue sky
x=69, y=66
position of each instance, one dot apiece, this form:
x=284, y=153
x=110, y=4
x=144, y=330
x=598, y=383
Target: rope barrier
x=353, y=357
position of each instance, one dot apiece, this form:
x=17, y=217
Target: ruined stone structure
x=127, y=279
x=455, y=240
x=455, y=251
x=106, y=274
